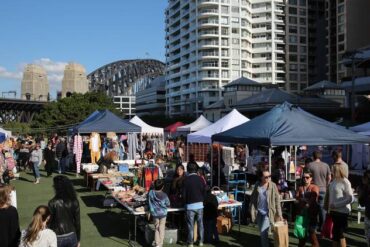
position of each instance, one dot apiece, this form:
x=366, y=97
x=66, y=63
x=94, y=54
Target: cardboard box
x=224, y=224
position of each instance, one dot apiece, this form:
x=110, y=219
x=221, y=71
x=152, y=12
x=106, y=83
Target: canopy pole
x=187, y=150
x=211, y=161
x=270, y=153
x=141, y=146
x=295, y=167
x=286, y=162
x=219, y=165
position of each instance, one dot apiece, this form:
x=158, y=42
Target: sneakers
x=37, y=181
x=200, y=243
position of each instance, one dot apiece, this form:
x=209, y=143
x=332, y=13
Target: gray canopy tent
x=289, y=125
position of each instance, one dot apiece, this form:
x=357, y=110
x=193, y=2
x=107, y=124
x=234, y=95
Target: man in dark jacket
x=193, y=194
x=60, y=151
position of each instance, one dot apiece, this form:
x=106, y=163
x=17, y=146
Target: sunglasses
x=306, y=177
x=266, y=177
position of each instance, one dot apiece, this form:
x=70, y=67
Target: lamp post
x=353, y=60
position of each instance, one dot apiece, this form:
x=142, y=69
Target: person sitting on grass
x=158, y=203
x=37, y=233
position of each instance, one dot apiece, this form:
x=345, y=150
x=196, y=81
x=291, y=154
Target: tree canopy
x=70, y=111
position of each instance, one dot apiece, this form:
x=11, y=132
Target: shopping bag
x=220, y=195
x=281, y=234
x=327, y=227
x=301, y=225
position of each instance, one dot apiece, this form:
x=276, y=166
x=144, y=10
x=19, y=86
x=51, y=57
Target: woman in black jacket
x=9, y=220
x=49, y=158
x=65, y=213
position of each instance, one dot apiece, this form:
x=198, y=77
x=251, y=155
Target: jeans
x=210, y=230
x=190, y=217
x=67, y=240
x=36, y=171
x=263, y=223
x=322, y=212
x=61, y=165
x=160, y=227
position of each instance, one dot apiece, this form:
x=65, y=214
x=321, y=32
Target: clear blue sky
x=90, y=32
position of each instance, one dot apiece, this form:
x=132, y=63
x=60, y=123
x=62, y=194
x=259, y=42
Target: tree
x=61, y=115
x=17, y=128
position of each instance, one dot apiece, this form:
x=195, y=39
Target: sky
x=52, y=33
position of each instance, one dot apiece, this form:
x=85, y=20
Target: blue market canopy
x=106, y=121
x=2, y=137
x=287, y=124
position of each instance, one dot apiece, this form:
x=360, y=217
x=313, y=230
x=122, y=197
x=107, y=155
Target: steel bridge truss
x=126, y=77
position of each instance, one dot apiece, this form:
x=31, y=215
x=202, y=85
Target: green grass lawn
x=109, y=227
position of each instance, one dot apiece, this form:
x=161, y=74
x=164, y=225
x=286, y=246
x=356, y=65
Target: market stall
x=107, y=123
x=152, y=137
x=170, y=130
x=203, y=137
x=289, y=125
x=200, y=123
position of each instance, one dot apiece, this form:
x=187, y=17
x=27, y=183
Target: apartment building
x=212, y=42
x=348, y=29
x=305, y=43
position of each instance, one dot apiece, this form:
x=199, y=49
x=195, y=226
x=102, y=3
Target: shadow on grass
x=78, y=181
x=95, y=201
x=25, y=179
x=83, y=190
x=111, y=225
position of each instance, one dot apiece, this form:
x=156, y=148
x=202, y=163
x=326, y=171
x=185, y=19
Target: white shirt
x=45, y=238
x=341, y=195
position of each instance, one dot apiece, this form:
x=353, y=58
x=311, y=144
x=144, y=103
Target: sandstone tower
x=35, y=84
x=74, y=80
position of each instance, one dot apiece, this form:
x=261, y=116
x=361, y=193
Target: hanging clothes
x=94, y=146
x=77, y=151
x=132, y=145
x=151, y=174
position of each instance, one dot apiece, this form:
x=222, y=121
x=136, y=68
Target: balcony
x=261, y=59
x=262, y=49
x=207, y=12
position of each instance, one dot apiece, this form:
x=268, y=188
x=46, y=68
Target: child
x=210, y=217
x=158, y=203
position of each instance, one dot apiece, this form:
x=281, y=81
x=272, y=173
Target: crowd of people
x=322, y=191
x=52, y=225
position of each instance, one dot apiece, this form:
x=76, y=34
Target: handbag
x=301, y=225
x=281, y=234
x=220, y=195
x=327, y=227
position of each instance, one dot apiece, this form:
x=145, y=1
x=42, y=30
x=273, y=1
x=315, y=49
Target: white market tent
x=146, y=128
x=6, y=132
x=231, y=120
x=197, y=125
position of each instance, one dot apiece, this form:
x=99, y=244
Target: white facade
x=125, y=104
x=212, y=42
